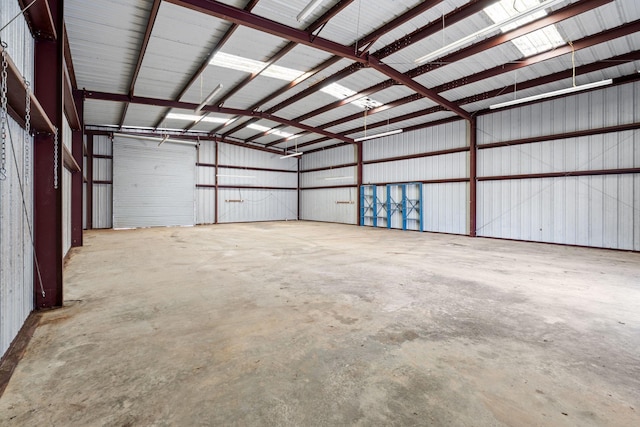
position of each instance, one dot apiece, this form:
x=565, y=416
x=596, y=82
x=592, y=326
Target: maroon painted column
x=77, y=180
x=47, y=199
x=359, y=168
x=217, y=192
x=89, y=175
x=473, y=175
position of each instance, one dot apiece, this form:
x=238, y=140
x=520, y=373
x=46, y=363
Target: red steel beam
x=40, y=20
x=213, y=109
x=240, y=17
x=282, y=52
x=49, y=78
x=77, y=184
x=225, y=38
x=143, y=49
x=367, y=40
x=555, y=17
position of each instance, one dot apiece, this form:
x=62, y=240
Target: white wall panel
x=611, y=106
x=205, y=205
x=153, y=185
x=595, y=152
x=322, y=205
x=600, y=211
x=436, y=138
x=446, y=207
x=102, y=209
x=232, y=155
x=207, y=152
x=16, y=256
x=257, y=205
x=323, y=178
x=256, y=178
x=335, y=156
x=66, y=183
x=206, y=175
x=426, y=168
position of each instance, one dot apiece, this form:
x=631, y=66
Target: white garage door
x=153, y=186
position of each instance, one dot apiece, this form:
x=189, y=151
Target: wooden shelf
x=16, y=90
x=68, y=160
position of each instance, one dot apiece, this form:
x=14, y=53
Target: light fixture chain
x=3, y=115
x=27, y=131
x=55, y=159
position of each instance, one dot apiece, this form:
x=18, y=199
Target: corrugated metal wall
x=66, y=192
x=153, y=185
x=206, y=175
x=102, y=209
x=16, y=254
x=446, y=204
x=601, y=211
x=339, y=204
x=278, y=201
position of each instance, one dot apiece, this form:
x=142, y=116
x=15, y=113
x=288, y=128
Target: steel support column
x=49, y=77
x=77, y=179
x=473, y=174
x=360, y=165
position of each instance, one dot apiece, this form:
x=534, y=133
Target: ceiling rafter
x=555, y=17
x=366, y=40
x=431, y=28
x=143, y=49
x=337, y=8
x=103, y=96
x=539, y=81
x=221, y=42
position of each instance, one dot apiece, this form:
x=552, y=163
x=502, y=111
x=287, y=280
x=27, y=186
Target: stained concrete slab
x=311, y=324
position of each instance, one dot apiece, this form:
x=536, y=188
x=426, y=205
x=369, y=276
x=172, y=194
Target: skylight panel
x=270, y=131
x=341, y=92
x=194, y=118
x=238, y=63
x=538, y=41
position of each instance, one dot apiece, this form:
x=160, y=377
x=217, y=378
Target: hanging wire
x=26, y=215
x=573, y=62
x=16, y=17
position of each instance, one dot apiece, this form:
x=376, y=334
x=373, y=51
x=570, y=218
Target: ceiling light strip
x=208, y=98
x=308, y=10
x=378, y=135
x=552, y=94
x=296, y=154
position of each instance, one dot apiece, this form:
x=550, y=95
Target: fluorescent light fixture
x=486, y=31
x=308, y=10
x=336, y=178
x=271, y=131
x=338, y=91
x=296, y=154
x=194, y=118
x=208, y=98
x=155, y=139
x=378, y=135
x=239, y=63
x=552, y=94
x=234, y=176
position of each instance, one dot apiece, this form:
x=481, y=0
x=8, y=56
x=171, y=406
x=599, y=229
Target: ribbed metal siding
x=322, y=205
x=16, y=255
x=66, y=192
x=436, y=138
x=153, y=185
x=257, y=205
x=206, y=197
x=601, y=211
x=446, y=207
x=326, y=158
x=102, y=193
x=427, y=168
x=337, y=176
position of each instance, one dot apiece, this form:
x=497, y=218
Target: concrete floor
x=308, y=324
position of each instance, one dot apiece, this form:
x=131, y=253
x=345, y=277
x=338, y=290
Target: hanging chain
x=55, y=159
x=3, y=115
x=27, y=132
